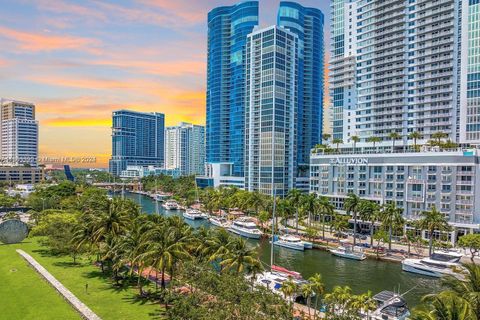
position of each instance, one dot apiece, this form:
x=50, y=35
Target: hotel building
x=185, y=148
x=137, y=139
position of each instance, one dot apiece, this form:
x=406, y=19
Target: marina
x=361, y=276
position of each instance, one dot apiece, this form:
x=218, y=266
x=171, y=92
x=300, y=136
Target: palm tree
x=253, y=270
x=256, y=201
x=239, y=256
x=374, y=140
x=337, y=141
x=468, y=288
x=391, y=216
x=351, y=207
x=295, y=197
x=433, y=220
x=338, y=302
x=326, y=136
x=307, y=292
x=355, y=140
x=318, y=287
x=366, y=303
x=309, y=205
x=415, y=135
x=369, y=211
x=289, y=289
x=394, y=136
x=444, y=306
x=438, y=136
x=324, y=207
x=339, y=224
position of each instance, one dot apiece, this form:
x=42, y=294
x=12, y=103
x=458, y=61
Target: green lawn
x=103, y=298
x=23, y=292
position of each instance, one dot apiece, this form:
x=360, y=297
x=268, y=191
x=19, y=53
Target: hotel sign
x=350, y=161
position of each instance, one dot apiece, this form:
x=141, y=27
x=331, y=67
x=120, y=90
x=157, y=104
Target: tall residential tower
x=228, y=28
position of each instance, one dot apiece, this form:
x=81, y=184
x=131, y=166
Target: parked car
x=342, y=235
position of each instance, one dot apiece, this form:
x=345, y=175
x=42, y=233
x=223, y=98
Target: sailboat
x=274, y=279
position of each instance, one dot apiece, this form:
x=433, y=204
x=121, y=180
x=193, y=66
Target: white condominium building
x=19, y=133
x=185, y=148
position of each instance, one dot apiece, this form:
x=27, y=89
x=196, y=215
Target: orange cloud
x=170, y=68
x=77, y=122
x=36, y=42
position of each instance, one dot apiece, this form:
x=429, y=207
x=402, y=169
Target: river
x=361, y=276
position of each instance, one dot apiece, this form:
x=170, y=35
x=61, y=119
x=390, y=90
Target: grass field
x=24, y=294
x=108, y=301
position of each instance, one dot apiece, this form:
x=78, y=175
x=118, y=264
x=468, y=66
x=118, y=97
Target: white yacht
x=292, y=242
x=437, y=265
x=219, y=222
x=274, y=279
x=193, y=214
x=348, y=251
x=245, y=228
x=160, y=197
x=390, y=306
x=171, y=205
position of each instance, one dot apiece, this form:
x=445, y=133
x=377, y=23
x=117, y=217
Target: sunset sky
x=80, y=60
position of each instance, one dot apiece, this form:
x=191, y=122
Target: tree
x=443, y=306
x=324, y=207
x=374, y=140
x=339, y=224
x=394, y=136
x=326, y=136
x=355, y=140
x=438, y=136
x=410, y=237
x=295, y=197
x=289, y=289
x=369, y=211
x=391, y=216
x=467, y=288
x=337, y=142
x=318, y=287
x=472, y=242
x=351, y=205
x=433, y=220
x=239, y=256
x=309, y=204
x=415, y=135
x=307, y=293
x=382, y=237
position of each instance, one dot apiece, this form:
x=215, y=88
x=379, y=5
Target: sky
x=77, y=61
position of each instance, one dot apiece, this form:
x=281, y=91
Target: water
x=361, y=276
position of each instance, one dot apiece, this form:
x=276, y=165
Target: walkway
x=84, y=311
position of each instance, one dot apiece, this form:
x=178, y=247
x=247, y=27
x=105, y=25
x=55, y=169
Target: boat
x=290, y=242
x=348, y=251
x=246, y=228
x=219, y=222
x=437, y=265
x=160, y=197
x=273, y=280
x=193, y=214
x=171, y=205
x=391, y=306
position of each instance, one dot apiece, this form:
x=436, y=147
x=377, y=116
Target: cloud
x=37, y=42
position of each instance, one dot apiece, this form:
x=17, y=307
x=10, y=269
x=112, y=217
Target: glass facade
x=137, y=139
x=228, y=28
x=307, y=25
x=473, y=72
x=270, y=111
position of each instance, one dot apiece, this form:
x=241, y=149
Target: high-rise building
x=228, y=28
x=185, y=148
x=271, y=111
x=137, y=139
x=342, y=65
x=307, y=25
x=19, y=133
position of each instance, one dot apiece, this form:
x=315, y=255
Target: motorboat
x=437, y=265
x=159, y=197
x=246, y=228
x=390, y=306
x=194, y=214
x=219, y=222
x=291, y=242
x=170, y=205
x=274, y=279
x=348, y=251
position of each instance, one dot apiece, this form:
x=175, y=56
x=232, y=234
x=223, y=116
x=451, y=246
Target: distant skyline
x=77, y=61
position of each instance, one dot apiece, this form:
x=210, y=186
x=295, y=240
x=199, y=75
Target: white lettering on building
x=353, y=161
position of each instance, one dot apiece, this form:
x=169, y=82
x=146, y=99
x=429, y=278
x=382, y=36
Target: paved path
x=84, y=311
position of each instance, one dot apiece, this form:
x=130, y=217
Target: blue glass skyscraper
x=228, y=28
x=137, y=139
x=307, y=24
